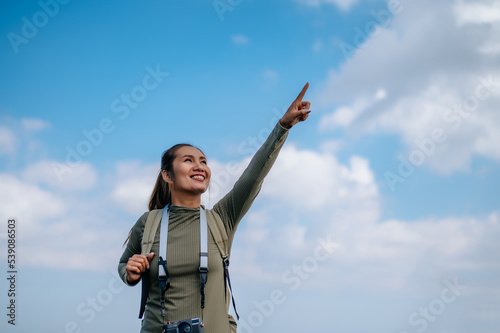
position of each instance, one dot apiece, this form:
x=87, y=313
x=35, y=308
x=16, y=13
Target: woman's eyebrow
x=192, y=156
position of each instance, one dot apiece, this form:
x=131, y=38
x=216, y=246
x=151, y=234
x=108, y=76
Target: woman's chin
x=200, y=190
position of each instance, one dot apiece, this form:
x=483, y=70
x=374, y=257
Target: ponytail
x=161, y=194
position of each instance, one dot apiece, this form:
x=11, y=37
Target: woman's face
x=191, y=172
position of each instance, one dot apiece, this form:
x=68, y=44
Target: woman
x=184, y=177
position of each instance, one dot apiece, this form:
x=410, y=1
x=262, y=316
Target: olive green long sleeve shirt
x=183, y=298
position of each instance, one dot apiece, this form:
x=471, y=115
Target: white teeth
x=198, y=177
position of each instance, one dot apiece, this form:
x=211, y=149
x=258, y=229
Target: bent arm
x=133, y=247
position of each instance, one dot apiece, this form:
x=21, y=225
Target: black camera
x=194, y=325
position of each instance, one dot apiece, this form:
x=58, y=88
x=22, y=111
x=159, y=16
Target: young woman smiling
x=183, y=178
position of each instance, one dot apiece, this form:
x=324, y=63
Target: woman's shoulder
x=141, y=222
x=143, y=217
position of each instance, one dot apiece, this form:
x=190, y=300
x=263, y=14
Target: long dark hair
x=161, y=196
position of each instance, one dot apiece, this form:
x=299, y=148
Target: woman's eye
x=204, y=162
x=187, y=160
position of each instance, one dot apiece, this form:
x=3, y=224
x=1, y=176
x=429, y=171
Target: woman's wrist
x=131, y=282
x=284, y=125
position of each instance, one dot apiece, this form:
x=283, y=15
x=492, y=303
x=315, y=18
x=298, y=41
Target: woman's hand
x=136, y=265
x=298, y=111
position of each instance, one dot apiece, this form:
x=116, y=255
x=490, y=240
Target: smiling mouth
x=198, y=177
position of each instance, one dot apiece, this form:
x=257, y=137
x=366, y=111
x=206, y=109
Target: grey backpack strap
x=148, y=238
x=219, y=233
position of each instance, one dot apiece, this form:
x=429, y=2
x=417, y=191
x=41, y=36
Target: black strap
x=164, y=286
x=203, y=279
x=227, y=280
x=144, y=292
x=164, y=280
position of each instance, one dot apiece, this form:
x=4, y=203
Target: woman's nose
x=199, y=166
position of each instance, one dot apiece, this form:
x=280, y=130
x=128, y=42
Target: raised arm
x=237, y=202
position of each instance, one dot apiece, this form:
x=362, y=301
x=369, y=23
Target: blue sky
x=397, y=167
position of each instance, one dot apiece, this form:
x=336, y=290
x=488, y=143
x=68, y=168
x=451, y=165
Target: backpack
x=219, y=234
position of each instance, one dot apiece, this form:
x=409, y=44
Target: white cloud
x=313, y=180
x=17, y=131
x=449, y=244
x=344, y=115
x=421, y=67
x=8, y=141
x=80, y=177
x=28, y=202
x=32, y=124
x=396, y=256
x=476, y=12
x=133, y=184
x=62, y=225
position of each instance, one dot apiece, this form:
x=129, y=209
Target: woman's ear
x=166, y=176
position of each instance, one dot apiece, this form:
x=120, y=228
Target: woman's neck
x=186, y=201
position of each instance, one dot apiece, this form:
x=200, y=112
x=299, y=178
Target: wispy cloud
x=271, y=77
x=342, y=4
x=240, y=39
x=34, y=124
x=8, y=141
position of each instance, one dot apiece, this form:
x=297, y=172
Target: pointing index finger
x=303, y=92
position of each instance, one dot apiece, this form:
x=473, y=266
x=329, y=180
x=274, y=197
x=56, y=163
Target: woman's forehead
x=188, y=150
